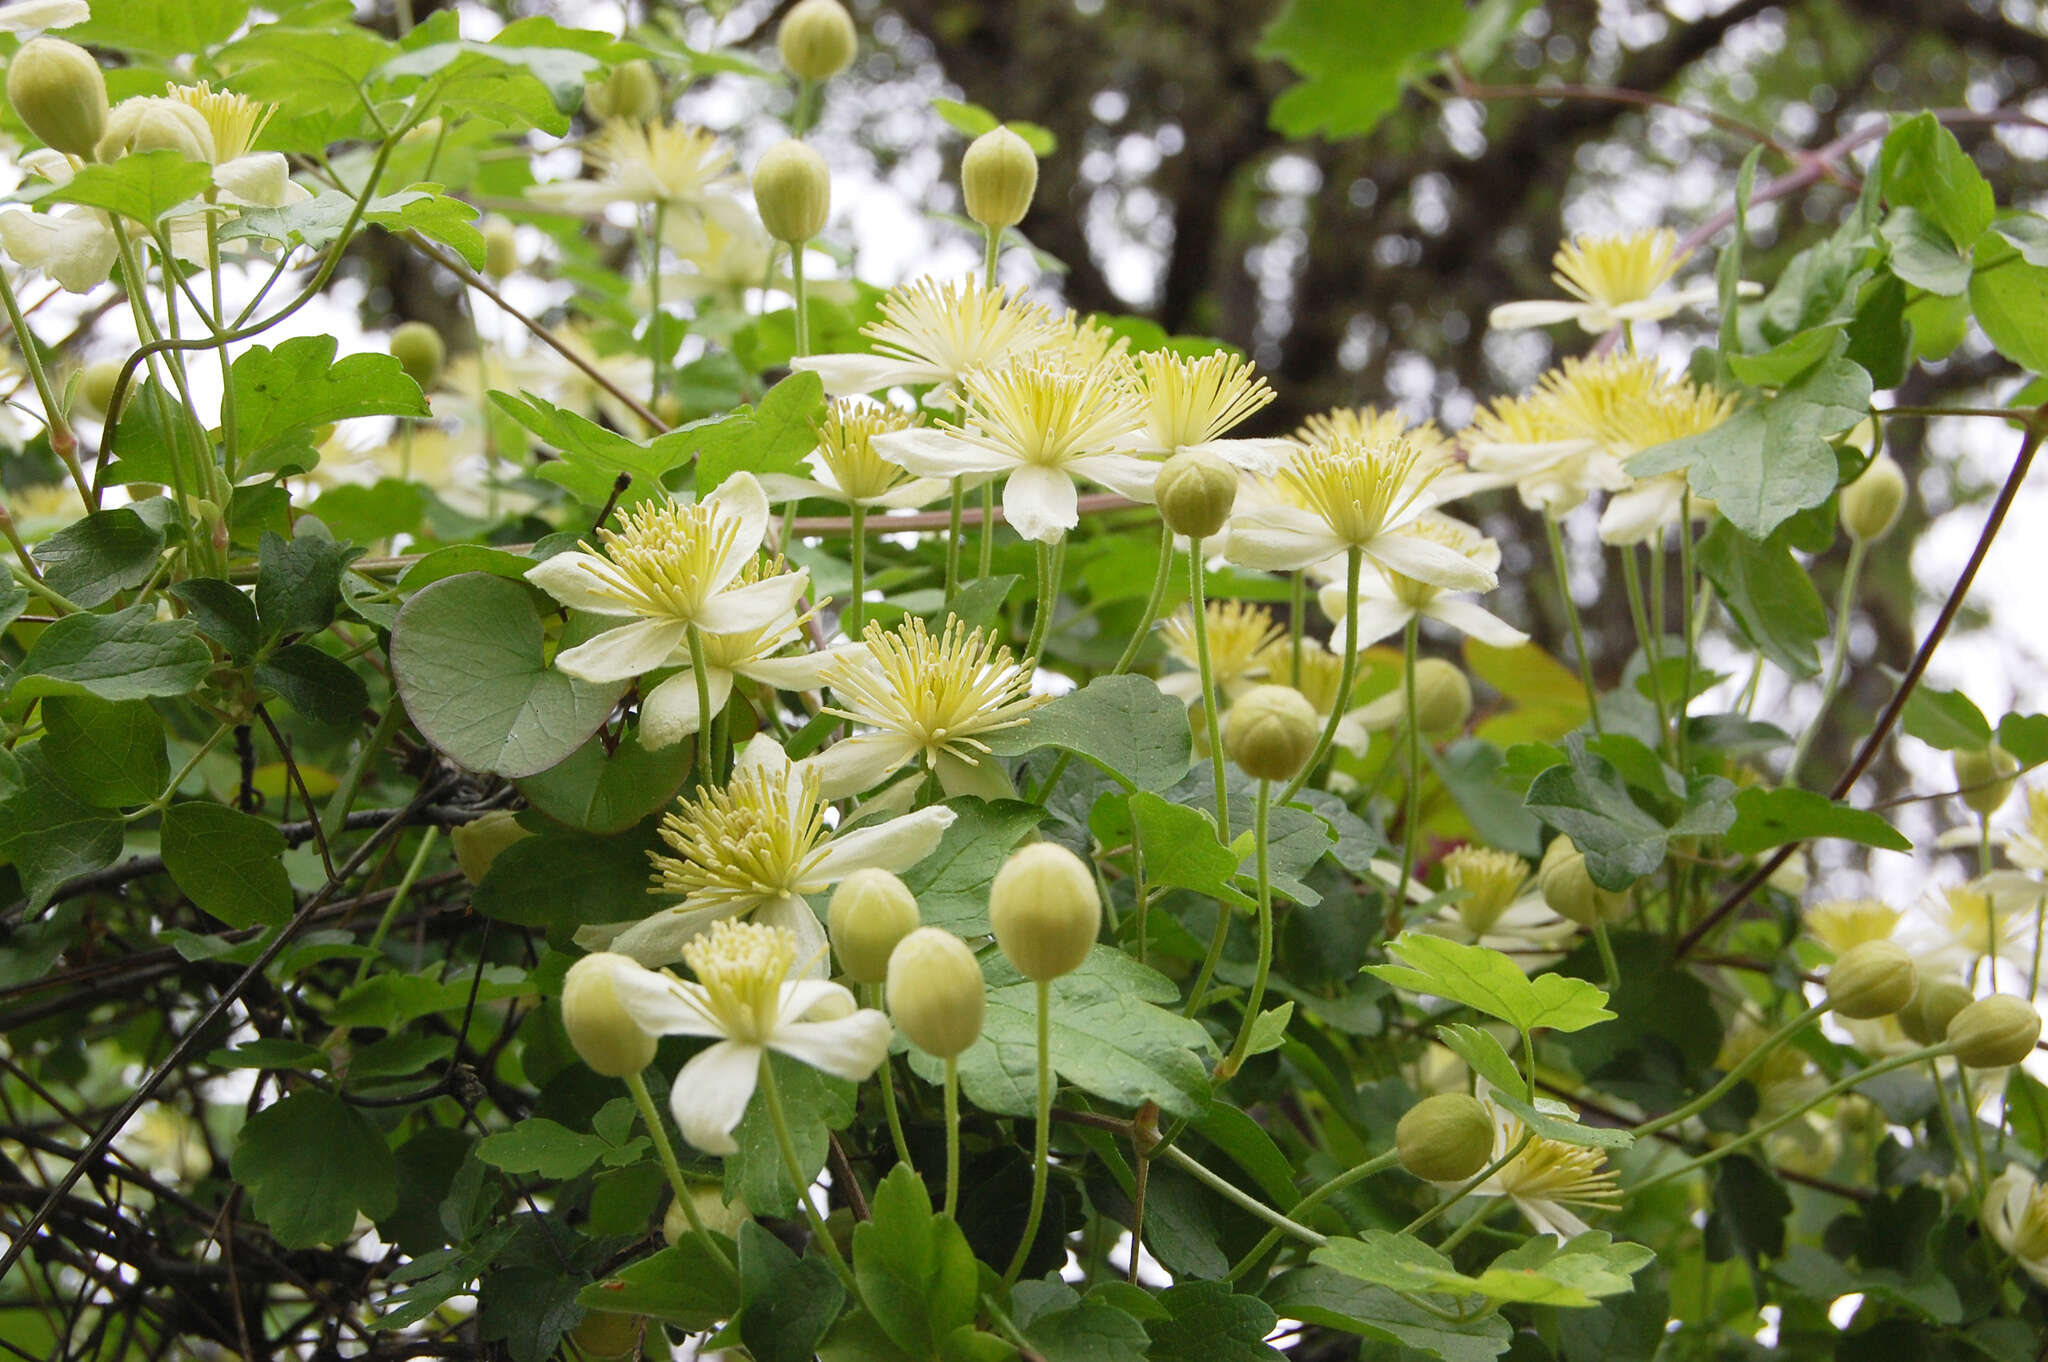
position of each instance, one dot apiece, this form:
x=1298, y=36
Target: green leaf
x=46, y=831
x=91, y=561
x=1540, y=1272
x=315, y=70
x=555, y=1152
x=298, y=581
x=952, y=883
x=109, y=752
x=1769, y=818
x=1124, y=724
x=773, y=438
x=814, y=1105
x=388, y=507
x=321, y=687
x=563, y=880
x=317, y=222
x=227, y=862
x=790, y=1301
x=1354, y=56
x=593, y=456
x=467, y=655
x=2010, y=300
x=387, y=1001
x=282, y=393
x=1180, y=849
x=1485, y=979
x=1623, y=838
x=1087, y=1331
x=141, y=185
x=1210, y=1321
x=1923, y=255
x=1322, y=1296
x=161, y=28
x=680, y=1286
x=131, y=655
x=1924, y=168
x=1769, y=593
x=1551, y=1120
x=604, y=792
x=309, y=1163
x=916, y=1274
x=223, y=612
x=1945, y=720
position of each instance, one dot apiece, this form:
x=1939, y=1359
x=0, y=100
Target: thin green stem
x=985, y=543
x=397, y=904
x=1347, y=677
x=1467, y=1187
x=1041, y=1150
x=1210, y=717
x=1571, y=614
x=1464, y=1231
x=1838, y=657
x=772, y=1099
x=1229, y=1067
x=1632, y=580
x=650, y=1116
x=992, y=248
x=887, y=1076
x=953, y=539
x=1297, y=617
x=1378, y=1163
x=803, y=314
x=1607, y=960
x=1160, y=575
x=1689, y=588
x=49, y=593
x=62, y=442
x=1201, y=1173
x=856, y=603
x=657, y=356
x=1048, y=595
x=698, y=664
x=1411, y=796
x=1734, y=1076
x=163, y=800
x=952, y=1134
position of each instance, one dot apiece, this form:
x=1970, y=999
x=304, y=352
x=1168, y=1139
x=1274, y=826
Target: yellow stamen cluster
x=1376, y=424
x=742, y=966
x=1490, y=881
x=1086, y=343
x=1192, y=401
x=1845, y=923
x=1049, y=413
x=956, y=325
x=1357, y=487
x=662, y=558
x=236, y=120
x=846, y=446
x=1437, y=529
x=1530, y=419
x=754, y=837
x=733, y=650
x=942, y=693
x=1551, y=1170
x=683, y=161
x=1975, y=917
x=1319, y=677
x=1239, y=634
x=1612, y=270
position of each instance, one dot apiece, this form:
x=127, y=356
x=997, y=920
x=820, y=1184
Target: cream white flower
x=1840, y=924
x=845, y=467
x=1500, y=908
x=937, y=333
x=669, y=567
x=1239, y=635
x=744, y=999
x=1353, y=494
x=75, y=246
x=2016, y=1218
x=1387, y=600
x=1612, y=280
x=924, y=699
x=671, y=164
x=758, y=846
x=1549, y=1177
x=1043, y=424
x=1989, y=918
x=1190, y=403
x=26, y=16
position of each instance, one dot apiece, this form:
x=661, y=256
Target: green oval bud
x=420, y=352
x=1045, y=910
x=1994, y=1032
x=606, y=1336
x=606, y=1038
x=501, y=247
x=1443, y=697
x=1566, y=886
x=793, y=191
x=1196, y=490
x=96, y=385
x=1874, y=979
x=156, y=123
x=1985, y=778
x=936, y=993
x=816, y=39
x=1870, y=505
x=1926, y=1019
x=870, y=912
x=998, y=177
x=631, y=92
x=719, y=1215
x=480, y=841
x=60, y=92
x=1271, y=732
x=1445, y=1138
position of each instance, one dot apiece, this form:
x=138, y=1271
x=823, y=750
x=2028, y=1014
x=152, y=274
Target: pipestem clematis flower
x=1387, y=600
x=745, y=1000
x=936, y=333
x=847, y=468
x=1191, y=403
x=1612, y=280
x=1549, y=1177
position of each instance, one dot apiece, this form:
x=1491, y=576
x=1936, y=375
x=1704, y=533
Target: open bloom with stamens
x=845, y=467
x=744, y=999
x=1372, y=424
x=1549, y=1177
x=1675, y=409
x=1239, y=633
x=1044, y=424
x=671, y=164
x=2016, y=1218
x=1992, y=916
x=937, y=333
x=1841, y=924
x=1501, y=908
x=1190, y=403
x=1611, y=279
x=758, y=846
x=1353, y=494
x=1387, y=600
x=668, y=568
x=924, y=698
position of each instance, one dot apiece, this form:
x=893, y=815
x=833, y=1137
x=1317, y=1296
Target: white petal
x=261, y=179
x=1279, y=539
x=1534, y=312
x=1427, y=561
x=936, y=454
x=1125, y=474
x=894, y=846
x=25, y=15
x=668, y=714
x=755, y=606
x=1640, y=514
x=710, y=1095
x=846, y=375
x=916, y=492
x=623, y=653
x=76, y=250
x=814, y=1000
x=790, y=911
x=781, y=487
x=568, y=577
x=1467, y=617
x=741, y=498
x=799, y=672
x=1376, y=620
x=1040, y=502
x=1262, y=455
x=764, y=753
x=851, y=1048
x=859, y=763
x=1549, y=1217
x=659, y=940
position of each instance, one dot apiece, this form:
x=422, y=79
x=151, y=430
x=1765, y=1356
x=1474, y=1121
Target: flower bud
x=1925, y=1020
x=608, y=1040
x=870, y=912
x=1569, y=890
x=478, y=842
x=1870, y=505
x=1045, y=910
x=96, y=385
x=793, y=190
x=1994, y=1032
x=632, y=92
x=501, y=247
x=1445, y=1138
x=998, y=175
x=1874, y=979
x=1195, y=490
x=1985, y=778
x=936, y=994
x=1443, y=697
x=719, y=1215
x=60, y=92
x=156, y=123
x=816, y=39
x=1271, y=732
x=420, y=352
x=606, y=1336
